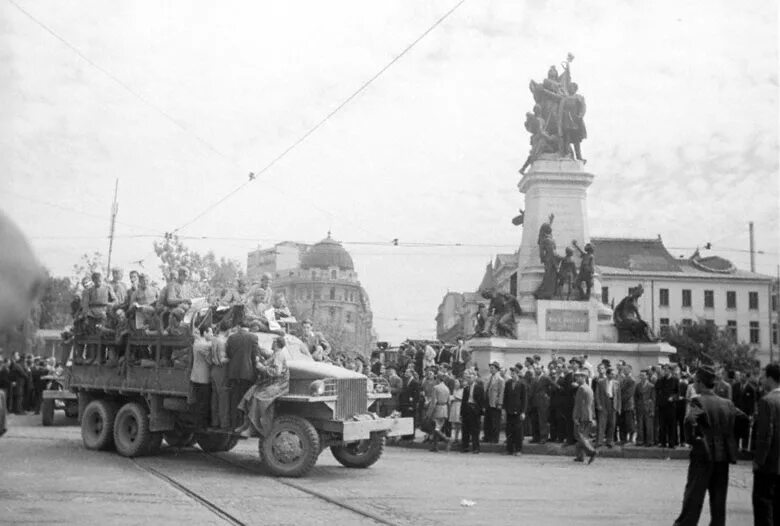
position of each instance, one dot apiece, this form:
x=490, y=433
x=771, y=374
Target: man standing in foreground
x=516, y=405
x=583, y=417
x=766, y=459
x=471, y=410
x=709, y=428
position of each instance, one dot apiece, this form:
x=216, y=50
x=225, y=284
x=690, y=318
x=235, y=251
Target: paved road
x=46, y=476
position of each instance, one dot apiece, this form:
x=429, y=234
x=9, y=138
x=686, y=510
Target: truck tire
x=360, y=454
x=216, y=442
x=97, y=425
x=131, y=430
x=291, y=447
x=179, y=438
x=47, y=412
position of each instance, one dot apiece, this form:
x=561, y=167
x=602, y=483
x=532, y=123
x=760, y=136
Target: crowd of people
x=22, y=381
x=643, y=408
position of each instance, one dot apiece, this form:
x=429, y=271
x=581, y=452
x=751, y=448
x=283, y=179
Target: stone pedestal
x=557, y=186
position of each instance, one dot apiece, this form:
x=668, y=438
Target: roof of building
x=634, y=254
x=327, y=253
x=621, y=256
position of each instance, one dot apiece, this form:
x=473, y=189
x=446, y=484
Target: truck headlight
x=317, y=388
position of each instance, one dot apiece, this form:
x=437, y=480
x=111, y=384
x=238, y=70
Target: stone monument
x=555, y=184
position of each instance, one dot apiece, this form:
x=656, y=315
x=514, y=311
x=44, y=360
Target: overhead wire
x=116, y=79
x=302, y=138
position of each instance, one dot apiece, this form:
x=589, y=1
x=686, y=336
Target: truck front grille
x=352, y=397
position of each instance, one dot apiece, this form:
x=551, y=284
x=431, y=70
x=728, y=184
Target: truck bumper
x=59, y=395
x=353, y=430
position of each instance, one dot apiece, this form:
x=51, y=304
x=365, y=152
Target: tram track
x=225, y=515
x=313, y=493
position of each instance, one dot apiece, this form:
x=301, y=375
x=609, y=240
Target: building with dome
x=320, y=283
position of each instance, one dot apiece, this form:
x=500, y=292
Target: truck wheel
x=47, y=411
x=131, y=430
x=97, y=425
x=291, y=448
x=216, y=442
x=179, y=438
x=360, y=454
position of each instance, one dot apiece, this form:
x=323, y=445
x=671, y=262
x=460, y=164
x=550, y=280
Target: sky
x=179, y=101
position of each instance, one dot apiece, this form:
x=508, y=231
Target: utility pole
x=114, y=210
x=752, y=249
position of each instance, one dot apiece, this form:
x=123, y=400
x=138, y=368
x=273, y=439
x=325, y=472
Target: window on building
x=687, y=322
x=709, y=299
x=709, y=323
x=332, y=312
x=755, y=332
x=731, y=299
x=774, y=303
x=334, y=274
x=317, y=294
x=333, y=293
x=313, y=274
x=664, y=326
x=605, y=295
x=291, y=273
x=663, y=297
x=731, y=329
x=774, y=334
x=686, y=298
x=753, y=300
x=348, y=317
x=308, y=294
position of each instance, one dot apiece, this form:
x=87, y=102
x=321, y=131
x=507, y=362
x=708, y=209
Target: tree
x=54, y=305
x=705, y=342
x=87, y=264
x=206, y=272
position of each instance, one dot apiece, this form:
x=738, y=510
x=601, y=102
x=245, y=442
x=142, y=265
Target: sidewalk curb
x=555, y=449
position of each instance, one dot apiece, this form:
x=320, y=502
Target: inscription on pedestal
x=562, y=320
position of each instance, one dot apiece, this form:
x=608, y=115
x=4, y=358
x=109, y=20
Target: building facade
x=320, y=283
x=676, y=291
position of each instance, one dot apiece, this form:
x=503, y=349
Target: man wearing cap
x=176, y=297
x=495, y=401
x=141, y=304
x=234, y=296
x=709, y=427
x=471, y=410
x=766, y=458
x=583, y=417
x=516, y=406
x=98, y=298
x=119, y=288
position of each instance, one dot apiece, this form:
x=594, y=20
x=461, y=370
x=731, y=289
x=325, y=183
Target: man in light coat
x=494, y=391
x=583, y=417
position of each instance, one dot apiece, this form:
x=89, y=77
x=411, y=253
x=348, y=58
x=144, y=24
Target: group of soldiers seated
x=115, y=311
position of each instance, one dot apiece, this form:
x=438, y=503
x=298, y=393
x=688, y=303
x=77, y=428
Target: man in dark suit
x=745, y=395
x=666, y=394
x=709, y=429
x=471, y=410
x=243, y=352
x=766, y=458
x=409, y=397
x=515, y=405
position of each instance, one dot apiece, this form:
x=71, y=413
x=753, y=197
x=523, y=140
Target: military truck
x=131, y=405
x=55, y=396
